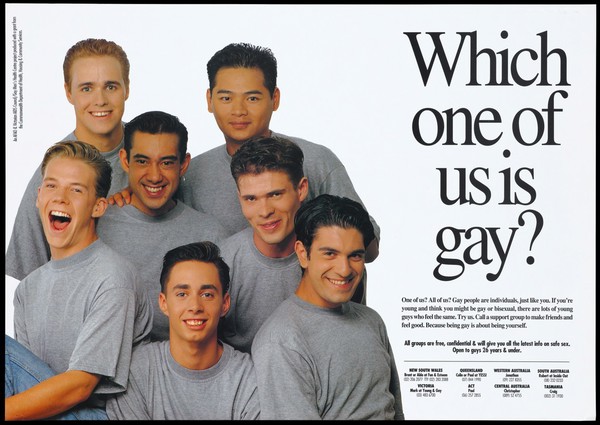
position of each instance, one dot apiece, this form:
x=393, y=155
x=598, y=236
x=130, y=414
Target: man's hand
x=120, y=198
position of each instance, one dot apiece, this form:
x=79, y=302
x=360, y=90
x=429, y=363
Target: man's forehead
x=229, y=76
x=147, y=143
x=330, y=234
x=267, y=180
x=74, y=171
x=97, y=59
x=63, y=163
x=88, y=67
x=194, y=274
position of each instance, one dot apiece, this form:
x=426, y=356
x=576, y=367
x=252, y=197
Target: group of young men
x=240, y=304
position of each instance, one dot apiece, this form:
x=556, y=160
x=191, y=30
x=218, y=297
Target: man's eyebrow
x=225, y=91
x=91, y=83
x=162, y=158
x=357, y=251
x=269, y=193
x=202, y=287
x=54, y=179
x=326, y=248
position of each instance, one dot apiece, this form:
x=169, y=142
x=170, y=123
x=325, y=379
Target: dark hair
x=244, y=55
x=260, y=154
x=95, y=47
x=330, y=210
x=157, y=122
x=87, y=153
x=205, y=252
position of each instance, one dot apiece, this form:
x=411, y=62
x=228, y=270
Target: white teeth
x=194, y=322
x=100, y=114
x=153, y=189
x=338, y=282
x=60, y=214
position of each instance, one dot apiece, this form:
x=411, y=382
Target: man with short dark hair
x=321, y=355
x=264, y=268
x=193, y=375
x=155, y=159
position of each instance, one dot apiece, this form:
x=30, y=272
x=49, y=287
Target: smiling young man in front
x=193, y=375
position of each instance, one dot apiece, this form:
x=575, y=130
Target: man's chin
x=153, y=207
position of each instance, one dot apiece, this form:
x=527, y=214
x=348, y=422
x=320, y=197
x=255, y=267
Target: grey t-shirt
x=210, y=187
x=84, y=312
x=162, y=389
x=28, y=249
x=258, y=285
x=144, y=240
x=333, y=364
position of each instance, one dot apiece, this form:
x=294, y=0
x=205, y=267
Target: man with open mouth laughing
x=77, y=317
x=193, y=375
x=321, y=355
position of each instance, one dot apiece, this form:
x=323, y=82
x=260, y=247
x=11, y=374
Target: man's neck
x=233, y=145
x=197, y=356
x=168, y=206
x=282, y=249
x=65, y=252
x=103, y=142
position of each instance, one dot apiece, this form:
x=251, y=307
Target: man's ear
x=226, y=304
x=68, y=93
x=302, y=254
x=100, y=207
x=185, y=164
x=276, y=97
x=303, y=189
x=209, y=101
x=162, y=303
x=124, y=160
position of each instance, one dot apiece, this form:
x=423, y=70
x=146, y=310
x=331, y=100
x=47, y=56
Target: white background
x=349, y=80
